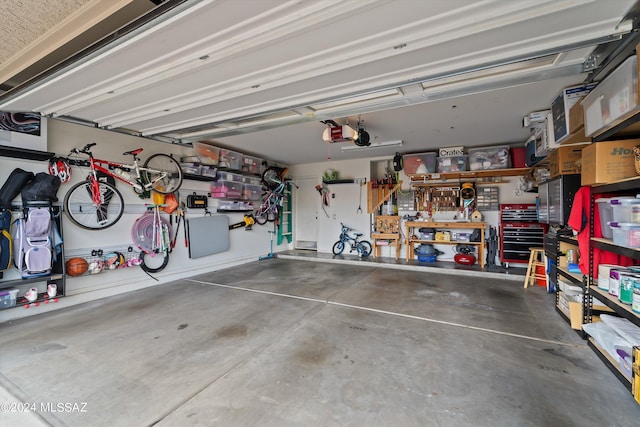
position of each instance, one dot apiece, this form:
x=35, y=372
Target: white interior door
x=307, y=202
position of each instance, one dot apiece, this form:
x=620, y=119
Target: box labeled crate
x=251, y=192
x=487, y=158
x=206, y=153
x=561, y=107
x=608, y=161
x=451, y=151
x=230, y=159
x=452, y=164
x=226, y=189
x=8, y=297
x=565, y=160
x=613, y=98
x=420, y=163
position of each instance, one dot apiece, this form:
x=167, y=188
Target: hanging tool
x=246, y=222
x=359, y=210
x=179, y=218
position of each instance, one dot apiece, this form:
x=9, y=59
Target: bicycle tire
x=80, y=209
x=364, y=248
x=272, y=177
x=338, y=247
x=273, y=214
x=153, y=267
x=261, y=218
x=165, y=173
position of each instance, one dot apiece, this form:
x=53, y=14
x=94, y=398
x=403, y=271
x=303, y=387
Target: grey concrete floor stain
x=231, y=331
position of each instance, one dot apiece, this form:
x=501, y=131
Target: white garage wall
x=245, y=246
x=344, y=202
x=343, y=207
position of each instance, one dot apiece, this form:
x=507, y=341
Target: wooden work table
x=412, y=240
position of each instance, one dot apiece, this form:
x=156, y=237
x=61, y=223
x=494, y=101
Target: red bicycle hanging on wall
x=96, y=204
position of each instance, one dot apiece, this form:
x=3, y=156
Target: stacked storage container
x=625, y=227
x=251, y=188
x=228, y=186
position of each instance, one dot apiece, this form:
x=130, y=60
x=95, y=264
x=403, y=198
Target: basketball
x=76, y=266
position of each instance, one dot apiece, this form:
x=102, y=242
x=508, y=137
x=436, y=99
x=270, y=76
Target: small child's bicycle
x=95, y=204
x=363, y=247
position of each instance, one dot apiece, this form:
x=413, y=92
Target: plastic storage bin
x=251, y=192
x=625, y=209
x=209, y=171
x=626, y=234
x=191, y=168
x=229, y=176
x=230, y=159
x=251, y=164
x=614, y=97
x=488, y=158
x=452, y=164
x=255, y=180
x=226, y=189
x=420, y=163
x=606, y=216
x=8, y=297
x=207, y=153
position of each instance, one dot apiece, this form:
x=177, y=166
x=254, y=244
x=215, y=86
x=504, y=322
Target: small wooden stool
x=536, y=259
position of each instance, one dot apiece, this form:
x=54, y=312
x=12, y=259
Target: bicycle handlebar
x=84, y=149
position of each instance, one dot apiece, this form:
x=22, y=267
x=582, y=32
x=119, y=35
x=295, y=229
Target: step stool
x=536, y=259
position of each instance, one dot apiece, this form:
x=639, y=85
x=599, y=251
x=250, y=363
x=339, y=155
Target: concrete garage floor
x=298, y=343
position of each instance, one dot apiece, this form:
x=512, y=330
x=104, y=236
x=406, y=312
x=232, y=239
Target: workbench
x=412, y=239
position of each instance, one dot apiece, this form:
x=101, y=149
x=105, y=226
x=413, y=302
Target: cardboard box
x=561, y=106
x=576, y=116
x=608, y=161
x=565, y=160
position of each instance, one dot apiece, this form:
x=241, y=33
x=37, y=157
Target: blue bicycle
x=363, y=247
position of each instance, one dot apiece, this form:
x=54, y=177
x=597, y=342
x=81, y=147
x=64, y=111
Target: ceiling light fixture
x=385, y=144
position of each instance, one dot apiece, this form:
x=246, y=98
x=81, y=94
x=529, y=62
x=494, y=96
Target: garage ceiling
x=261, y=75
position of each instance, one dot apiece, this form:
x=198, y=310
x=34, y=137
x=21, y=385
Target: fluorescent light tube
x=373, y=145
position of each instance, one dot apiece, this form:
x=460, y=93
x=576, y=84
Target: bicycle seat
x=357, y=234
x=133, y=152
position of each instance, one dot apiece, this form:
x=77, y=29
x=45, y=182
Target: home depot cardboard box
x=608, y=161
x=565, y=160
